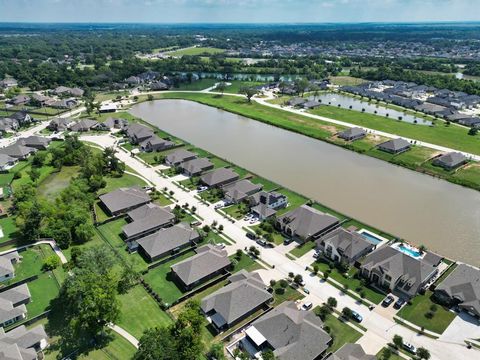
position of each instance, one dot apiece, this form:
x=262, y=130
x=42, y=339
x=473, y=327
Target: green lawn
x=277, y=236
x=346, y=80
x=196, y=51
x=138, y=312
x=415, y=313
x=57, y=181
x=341, y=332
x=245, y=263
x=9, y=228
x=302, y=249
x=111, y=232
x=32, y=261
x=126, y=180
x=43, y=290
x=160, y=281
x=211, y=195
x=237, y=211
x=290, y=294
x=294, y=200
x=238, y=84
x=44, y=171
x=327, y=210
x=267, y=184
x=392, y=357
x=6, y=178
x=197, y=85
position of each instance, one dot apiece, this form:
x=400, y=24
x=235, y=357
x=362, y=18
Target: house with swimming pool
x=400, y=268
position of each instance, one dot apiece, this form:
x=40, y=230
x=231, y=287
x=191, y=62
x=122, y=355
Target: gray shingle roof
x=168, y=239
x=35, y=141
x=17, y=150
x=293, y=334
x=196, y=166
x=124, y=198
x=83, y=125
x=451, y=160
x=239, y=190
x=351, y=352
x=179, y=156
x=147, y=217
x=6, y=159
x=351, y=244
x=23, y=340
x=6, y=266
x=395, y=144
x=219, y=176
x=463, y=283
x=139, y=131
x=245, y=293
x=352, y=133
x=9, y=298
x=208, y=260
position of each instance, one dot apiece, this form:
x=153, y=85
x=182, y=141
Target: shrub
x=51, y=263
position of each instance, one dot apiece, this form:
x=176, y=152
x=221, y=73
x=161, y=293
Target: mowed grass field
x=196, y=51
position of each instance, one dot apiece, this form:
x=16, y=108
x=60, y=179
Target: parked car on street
x=262, y=242
x=387, y=301
x=251, y=236
x=410, y=348
x=356, y=316
x=306, y=291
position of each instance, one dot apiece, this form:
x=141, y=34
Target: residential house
x=84, y=125
x=7, y=162
x=296, y=101
x=240, y=190
x=306, y=223
x=122, y=200
x=219, y=177
x=208, y=262
x=8, y=83
x=351, y=352
x=133, y=80
x=12, y=304
x=158, y=86
x=62, y=103
x=18, y=151
x=289, y=332
x=177, y=157
x=113, y=123
x=8, y=125
x=146, y=219
x=352, y=134
x=19, y=100
x=154, y=143
x=107, y=108
x=22, y=117
x=34, y=141
x=450, y=160
x=60, y=124
x=395, y=146
x=471, y=122
x=7, y=270
x=65, y=91
x=311, y=104
x=40, y=100
x=197, y=166
x=138, y=133
x=167, y=241
x=392, y=269
x=461, y=288
x=265, y=204
x=21, y=343
x=244, y=295
x=344, y=246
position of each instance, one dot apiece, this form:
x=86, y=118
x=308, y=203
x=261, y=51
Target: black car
x=399, y=303
x=387, y=301
x=251, y=236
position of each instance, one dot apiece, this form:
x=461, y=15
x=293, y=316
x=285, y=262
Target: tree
x=157, y=344
x=273, y=283
x=347, y=312
x=298, y=279
x=128, y=279
x=32, y=222
x=34, y=174
x=322, y=312
x=38, y=159
x=386, y=354
x=473, y=131
x=216, y=352
x=316, y=268
x=150, y=97
x=221, y=86
x=332, y=302
x=423, y=353
x=397, y=341
x=51, y=262
x=268, y=355
x=301, y=85
x=249, y=92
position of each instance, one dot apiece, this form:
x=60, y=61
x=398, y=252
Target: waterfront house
x=311, y=104
x=138, y=133
x=450, y=160
x=158, y=86
x=12, y=304
x=122, y=200
x=351, y=352
x=21, y=343
x=7, y=262
x=154, y=143
x=289, y=332
x=196, y=166
x=146, y=219
x=344, y=246
x=244, y=295
x=296, y=101
x=395, y=146
x=177, y=157
x=240, y=190
x=208, y=262
x=352, y=134
x=167, y=241
x=265, y=204
x=107, y=108
x=306, y=223
x=398, y=271
x=461, y=288
x=219, y=177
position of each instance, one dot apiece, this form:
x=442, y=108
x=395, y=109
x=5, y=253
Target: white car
x=307, y=306
x=253, y=220
x=219, y=206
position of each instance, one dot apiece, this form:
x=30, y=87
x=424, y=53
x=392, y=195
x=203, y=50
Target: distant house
x=145, y=220
x=7, y=270
x=8, y=125
x=7, y=162
x=396, y=271
x=21, y=343
x=154, y=143
x=208, y=262
x=40, y=100
x=240, y=190
x=351, y=352
x=244, y=295
x=352, y=134
x=296, y=101
x=62, y=103
x=83, y=125
x=289, y=332
x=63, y=90
x=177, y=157
x=195, y=167
x=133, y=80
x=22, y=117
x=8, y=83
x=219, y=177
x=395, y=146
x=265, y=204
x=167, y=241
x=311, y=104
x=450, y=161
x=124, y=199
x=138, y=133
x=461, y=288
x=107, y=108
x=12, y=304
x=158, y=86
x=34, y=141
x=344, y=246
x=306, y=223
x=60, y=124
x=18, y=151
x=19, y=100
x=471, y=122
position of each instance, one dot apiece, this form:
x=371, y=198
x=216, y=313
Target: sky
x=238, y=11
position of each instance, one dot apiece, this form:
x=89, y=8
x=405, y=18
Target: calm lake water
x=348, y=102
x=443, y=216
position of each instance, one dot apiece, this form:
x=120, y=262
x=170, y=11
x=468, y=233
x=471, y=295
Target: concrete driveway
x=462, y=327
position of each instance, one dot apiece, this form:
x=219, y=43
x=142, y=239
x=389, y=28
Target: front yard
x=341, y=332
x=421, y=305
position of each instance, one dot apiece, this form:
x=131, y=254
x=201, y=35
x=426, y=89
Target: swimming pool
x=371, y=237
x=410, y=251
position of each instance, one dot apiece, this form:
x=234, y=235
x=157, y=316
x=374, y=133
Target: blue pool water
x=412, y=253
x=373, y=239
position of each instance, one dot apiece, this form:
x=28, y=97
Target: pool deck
x=381, y=240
